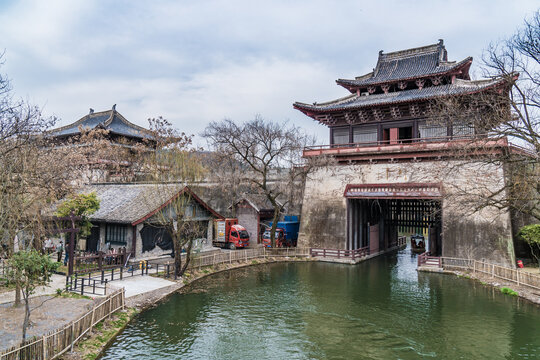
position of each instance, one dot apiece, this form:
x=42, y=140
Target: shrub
x=508, y=291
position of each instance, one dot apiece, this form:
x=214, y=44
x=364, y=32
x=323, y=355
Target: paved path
x=140, y=284
x=58, y=282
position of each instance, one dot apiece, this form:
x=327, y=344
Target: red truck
x=230, y=235
x=281, y=238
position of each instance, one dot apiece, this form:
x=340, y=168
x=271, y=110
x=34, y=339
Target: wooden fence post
x=93, y=315
x=44, y=343
x=517, y=276
x=72, y=334
x=110, y=306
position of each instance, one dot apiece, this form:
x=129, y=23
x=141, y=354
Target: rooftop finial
x=441, y=42
x=91, y=111
x=114, y=107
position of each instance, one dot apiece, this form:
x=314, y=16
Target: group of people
x=111, y=251
x=49, y=248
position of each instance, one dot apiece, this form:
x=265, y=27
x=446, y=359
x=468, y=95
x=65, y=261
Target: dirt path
x=50, y=313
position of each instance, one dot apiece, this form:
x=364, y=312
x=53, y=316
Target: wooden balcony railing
x=340, y=253
x=426, y=143
x=395, y=142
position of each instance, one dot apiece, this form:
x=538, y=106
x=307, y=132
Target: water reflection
x=380, y=309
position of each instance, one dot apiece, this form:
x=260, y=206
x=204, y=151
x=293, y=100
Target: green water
x=380, y=309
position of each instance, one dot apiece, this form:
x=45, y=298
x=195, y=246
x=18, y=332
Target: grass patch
x=103, y=332
x=508, y=291
x=7, y=286
x=254, y=262
x=71, y=295
x=62, y=269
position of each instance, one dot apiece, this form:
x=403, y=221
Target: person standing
x=66, y=258
x=48, y=246
x=59, y=250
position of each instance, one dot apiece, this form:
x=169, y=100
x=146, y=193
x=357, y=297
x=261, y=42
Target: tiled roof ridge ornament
x=110, y=120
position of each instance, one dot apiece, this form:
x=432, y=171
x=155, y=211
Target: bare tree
x=269, y=156
x=506, y=120
x=31, y=176
x=171, y=168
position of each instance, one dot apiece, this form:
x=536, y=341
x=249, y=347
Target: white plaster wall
x=324, y=206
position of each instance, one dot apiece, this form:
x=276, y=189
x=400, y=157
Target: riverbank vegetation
x=103, y=334
x=508, y=291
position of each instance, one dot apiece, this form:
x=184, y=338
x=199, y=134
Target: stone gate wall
x=484, y=234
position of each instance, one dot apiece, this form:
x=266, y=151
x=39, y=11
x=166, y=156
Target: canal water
x=379, y=309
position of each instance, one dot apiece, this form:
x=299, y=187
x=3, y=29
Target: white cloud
x=194, y=62
x=239, y=92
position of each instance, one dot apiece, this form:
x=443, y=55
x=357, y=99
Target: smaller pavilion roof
x=409, y=64
x=110, y=120
x=259, y=202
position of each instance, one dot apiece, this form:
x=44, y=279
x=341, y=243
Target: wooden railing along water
x=517, y=276
x=57, y=342
x=426, y=259
x=340, y=253
x=224, y=257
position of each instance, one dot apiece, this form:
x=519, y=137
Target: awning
x=394, y=191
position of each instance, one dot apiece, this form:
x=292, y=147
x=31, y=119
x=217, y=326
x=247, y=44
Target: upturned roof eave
x=77, y=123
x=145, y=133
x=310, y=110
x=353, y=84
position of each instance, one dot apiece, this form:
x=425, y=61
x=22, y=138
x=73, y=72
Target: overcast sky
x=193, y=62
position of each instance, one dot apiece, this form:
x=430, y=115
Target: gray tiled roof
x=460, y=87
x=258, y=201
x=407, y=64
x=127, y=203
x=133, y=203
x=110, y=120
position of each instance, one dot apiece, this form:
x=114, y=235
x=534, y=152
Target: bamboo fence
x=223, y=257
x=516, y=276
x=57, y=342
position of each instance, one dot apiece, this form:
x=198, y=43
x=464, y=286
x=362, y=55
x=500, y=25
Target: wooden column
x=134, y=241
x=394, y=136
x=351, y=222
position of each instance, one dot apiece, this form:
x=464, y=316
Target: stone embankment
x=524, y=292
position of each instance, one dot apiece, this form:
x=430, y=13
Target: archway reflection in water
x=379, y=309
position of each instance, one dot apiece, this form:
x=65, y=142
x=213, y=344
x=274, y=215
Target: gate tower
x=399, y=169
